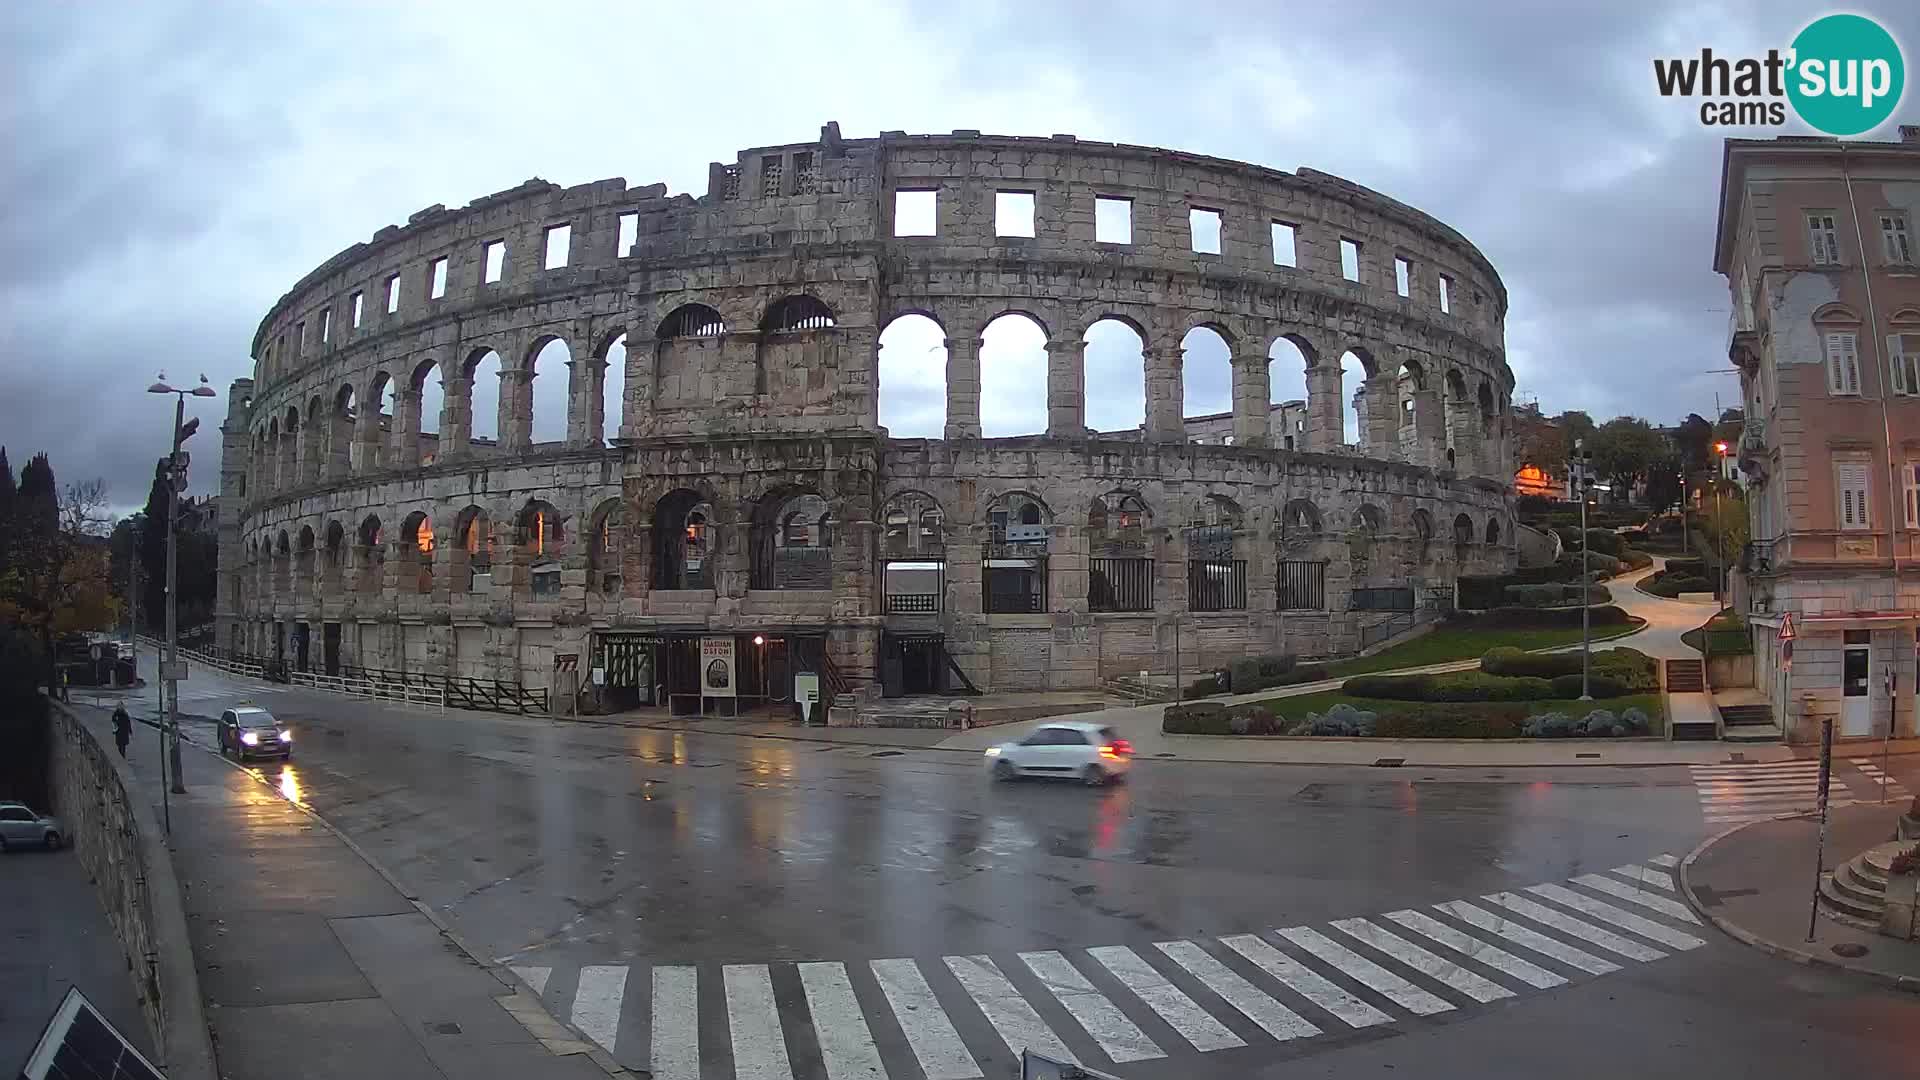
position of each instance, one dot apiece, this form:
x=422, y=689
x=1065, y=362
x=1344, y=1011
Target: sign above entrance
x=716, y=667
x=1786, y=627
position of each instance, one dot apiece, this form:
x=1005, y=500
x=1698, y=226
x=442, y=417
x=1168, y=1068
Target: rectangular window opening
x=915, y=213
x=804, y=180
x=1823, y=239
x=1843, y=365
x=1903, y=352
x=1112, y=220
x=771, y=169
x=300, y=335
x=1893, y=233
x=1852, y=479
x=1205, y=227
x=437, y=280
x=1013, y=213
x=629, y=235
x=495, y=254
x=1446, y=295
x=1284, y=253
x=1402, y=276
x=326, y=325
x=1349, y=259
x=559, y=241
x=359, y=306
x=393, y=294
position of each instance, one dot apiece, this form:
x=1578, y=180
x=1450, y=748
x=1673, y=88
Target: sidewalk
x=1755, y=882
x=314, y=965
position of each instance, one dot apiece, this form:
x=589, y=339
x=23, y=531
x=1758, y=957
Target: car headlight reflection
x=286, y=736
x=251, y=738
x=993, y=751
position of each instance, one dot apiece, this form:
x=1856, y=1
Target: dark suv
x=249, y=731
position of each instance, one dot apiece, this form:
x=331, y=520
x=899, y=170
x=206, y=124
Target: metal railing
x=1381, y=598
x=913, y=603
x=1124, y=584
x=1302, y=586
x=418, y=688
x=1216, y=584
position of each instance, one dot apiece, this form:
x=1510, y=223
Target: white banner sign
x=806, y=694
x=716, y=667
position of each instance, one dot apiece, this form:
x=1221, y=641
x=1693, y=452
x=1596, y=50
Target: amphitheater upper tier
x=752, y=492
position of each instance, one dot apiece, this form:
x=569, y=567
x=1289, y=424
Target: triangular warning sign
x=1786, y=627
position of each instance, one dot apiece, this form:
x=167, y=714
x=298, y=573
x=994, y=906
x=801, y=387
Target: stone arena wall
x=750, y=463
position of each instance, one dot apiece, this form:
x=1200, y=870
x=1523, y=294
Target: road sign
x=1786, y=627
x=806, y=694
x=173, y=670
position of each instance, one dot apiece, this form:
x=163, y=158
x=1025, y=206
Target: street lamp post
x=1583, y=485
x=175, y=474
x=1719, y=524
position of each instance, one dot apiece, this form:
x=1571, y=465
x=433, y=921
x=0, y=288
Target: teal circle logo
x=1847, y=74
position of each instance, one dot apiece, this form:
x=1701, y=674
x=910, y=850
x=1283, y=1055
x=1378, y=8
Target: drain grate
x=1850, y=949
x=1592, y=755
x=1389, y=762
x=886, y=753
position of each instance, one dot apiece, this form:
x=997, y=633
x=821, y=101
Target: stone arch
x=473, y=547
x=1422, y=532
x=1370, y=519
x=1462, y=530
x=612, y=353
x=913, y=526
x=306, y=546
x=538, y=531
x=912, y=374
x=342, y=420
x=416, y=553
x=1290, y=356
x=543, y=403
x=1013, y=374
x=289, y=469
x=1300, y=517
x=1210, y=528
x=315, y=429
x=683, y=541
x=333, y=554
x=606, y=546
x=1014, y=574
x=1488, y=410
x=691, y=320
x=371, y=553
x=687, y=368
x=482, y=375
x=423, y=408
x=1493, y=530
x=1114, y=360
x=1020, y=507
x=794, y=345
x=1121, y=516
x=1206, y=375
x=1835, y=313
x=282, y=563
x=790, y=539
x=1355, y=368
x=796, y=313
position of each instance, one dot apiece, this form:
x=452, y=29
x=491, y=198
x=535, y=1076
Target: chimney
x=1910, y=133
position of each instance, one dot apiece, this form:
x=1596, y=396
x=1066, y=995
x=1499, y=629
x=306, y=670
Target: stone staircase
x=1857, y=891
x=1686, y=677
x=1748, y=724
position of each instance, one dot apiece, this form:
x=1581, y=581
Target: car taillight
x=1120, y=747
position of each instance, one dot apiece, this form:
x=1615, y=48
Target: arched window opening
x=430, y=399
x=796, y=313
x=475, y=544
x=372, y=555
x=340, y=432
x=313, y=447
x=913, y=578
x=1216, y=581
x=1013, y=377
x=1493, y=531
x=1115, y=379
x=692, y=320
x=1369, y=520
x=416, y=554
x=282, y=563
x=1462, y=530
x=537, y=534
x=682, y=542
x=333, y=558
x=546, y=388
x=1353, y=405
x=913, y=378
x=608, y=544
x=1014, y=569
x=1206, y=385
x=792, y=542
x=303, y=564
x=1301, y=569
x=1487, y=410
x=1120, y=574
x=1287, y=361
x=1422, y=533
x=483, y=397
x=613, y=389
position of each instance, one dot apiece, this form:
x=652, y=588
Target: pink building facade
x=1817, y=242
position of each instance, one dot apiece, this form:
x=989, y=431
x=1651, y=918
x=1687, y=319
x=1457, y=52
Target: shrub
x=1600, y=686
x=1252, y=720
x=1390, y=687
x=1205, y=686
x=1508, y=660
x=1452, y=722
x=1515, y=618
x=1454, y=686
x=1668, y=585
x=1263, y=672
x=1534, y=595
x=1200, y=718
x=1604, y=541
x=1636, y=560
x=1637, y=722
x=1686, y=567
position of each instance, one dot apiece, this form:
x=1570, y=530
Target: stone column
x=1252, y=423
x=1166, y=401
x=586, y=401
x=1429, y=430
x=642, y=357
x=404, y=452
x=1463, y=420
x=456, y=417
x=1066, y=389
x=1383, y=416
x=1325, y=432
x=516, y=408
x=963, y=388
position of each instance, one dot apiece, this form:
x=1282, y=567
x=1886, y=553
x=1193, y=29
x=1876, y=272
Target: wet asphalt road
x=570, y=849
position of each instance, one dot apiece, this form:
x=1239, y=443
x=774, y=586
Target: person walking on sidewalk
x=122, y=729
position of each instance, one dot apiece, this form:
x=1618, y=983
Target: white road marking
x=753, y=1019
x=534, y=977
x=1433, y=967
x=1020, y=1027
x=1665, y=860
x=846, y=1043
x=1641, y=874
x=1366, y=972
x=1274, y=1018
x=935, y=1043
x=1193, y=1023
x=1473, y=948
x=1625, y=920
x=1547, y=916
x=1521, y=935
x=1672, y=909
x=596, y=1004
x=1119, y=1038
x=676, y=1023
x=1305, y=981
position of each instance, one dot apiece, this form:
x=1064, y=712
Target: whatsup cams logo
x=1843, y=75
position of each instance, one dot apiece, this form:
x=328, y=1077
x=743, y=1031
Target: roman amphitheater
x=729, y=488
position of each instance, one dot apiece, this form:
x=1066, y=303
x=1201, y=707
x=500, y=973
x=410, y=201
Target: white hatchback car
x=1091, y=753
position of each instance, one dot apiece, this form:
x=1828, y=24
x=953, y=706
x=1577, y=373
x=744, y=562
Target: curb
x=520, y=1002
x=1906, y=983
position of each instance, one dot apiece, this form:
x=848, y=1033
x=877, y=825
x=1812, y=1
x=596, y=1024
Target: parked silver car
x=21, y=826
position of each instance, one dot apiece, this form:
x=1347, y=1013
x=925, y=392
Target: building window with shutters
x=1910, y=475
x=1843, y=364
x=1903, y=351
x=1893, y=233
x=1823, y=239
x=1851, y=481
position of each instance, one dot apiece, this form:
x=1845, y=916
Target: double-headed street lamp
x=1582, y=467
x=176, y=481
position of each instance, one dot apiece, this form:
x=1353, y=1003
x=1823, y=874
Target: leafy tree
x=1575, y=425
x=56, y=572
x=1693, y=440
x=1624, y=449
x=153, y=545
x=1542, y=444
x=1663, y=483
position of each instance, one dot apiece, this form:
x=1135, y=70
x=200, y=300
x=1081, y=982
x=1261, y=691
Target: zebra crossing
x=966, y=1016
x=1730, y=794
x=1885, y=787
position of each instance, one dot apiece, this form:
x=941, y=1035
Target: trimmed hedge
x=1199, y=718
x=1453, y=722
x=1636, y=560
x=1631, y=668
x=1259, y=672
x=1518, y=618
x=1686, y=567
x=1554, y=595
x=1452, y=686
x=1567, y=687
x=1669, y=585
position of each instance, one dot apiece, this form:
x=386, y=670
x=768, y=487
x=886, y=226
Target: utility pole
x=1583, y=483
x=176, y=480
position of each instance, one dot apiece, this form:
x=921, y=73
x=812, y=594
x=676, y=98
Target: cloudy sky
x=170, y=169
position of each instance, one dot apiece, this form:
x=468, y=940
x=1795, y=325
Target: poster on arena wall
x=716, y=667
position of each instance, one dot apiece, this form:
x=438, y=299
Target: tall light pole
x=1583, y=485
x=1719, y=523
x=176, y=479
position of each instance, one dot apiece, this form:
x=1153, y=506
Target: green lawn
x=1300, y=705
x=1442, y=646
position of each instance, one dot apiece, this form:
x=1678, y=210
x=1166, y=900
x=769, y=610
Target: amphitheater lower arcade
x=750, y=503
